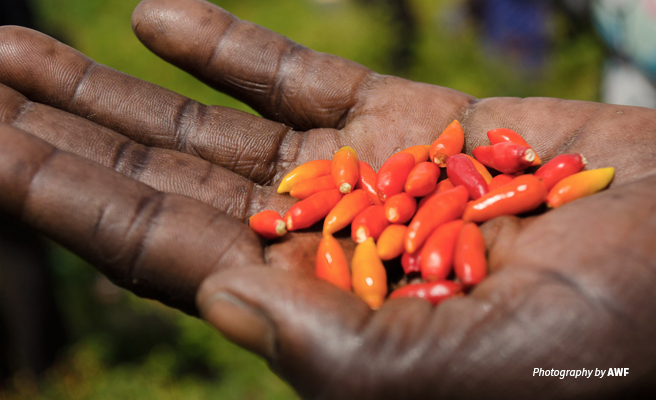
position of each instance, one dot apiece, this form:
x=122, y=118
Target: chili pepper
x=367, y=182
x=420, y=152
x=469, y=261
x=579, y=185
x=442, y=186
x=437, y=253
x=505, y=157
x=304, y=172
x=433, y=292
x=448, y=144
x=499, y=181
x=390, y=242
x=370, y=222
x=400, y=208
x=411, y=262
x=559, y=168
x=268, y=224
x=309, y=211
x=331, y=264
x=393, y=174
x=441, y=208
x=481, y=169
x=501, y=135
x=524, y=193
x=422, y=179
x=345, y=211
x=461, y=172
x=369, y=278
x=307, y=188
x=344, y=169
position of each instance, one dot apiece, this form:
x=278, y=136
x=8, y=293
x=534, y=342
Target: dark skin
x=153, y=189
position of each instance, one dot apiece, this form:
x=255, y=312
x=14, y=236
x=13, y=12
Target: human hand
x=569, y=289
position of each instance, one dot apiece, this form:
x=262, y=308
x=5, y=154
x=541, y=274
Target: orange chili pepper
x=393, y=174
x=345, y=211
x=442, y=186
x=481, y=169
x=344, y=169
x=268, y=224
x=367, y=182
x=420, y=152
x=461, y=172
x=559, y=168
x=400, y=208
x=309, y=211
x=508, y=135
x=307, y=188
x=437, y=253
x=411, y=262
x=524, y=193
x=370, y=222
x=499, y=181
x=390, y=242
x=369, y=278
x=441, y=208
x=449, y=143
x=469, y=261
x=433, y=292
x=331, y=264
x=579, y=185
x=422, y=179
x=304, y=172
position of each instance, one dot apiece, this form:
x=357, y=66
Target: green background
x=125, y=347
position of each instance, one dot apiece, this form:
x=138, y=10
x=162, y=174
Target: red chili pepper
x=422, y=179
x=420, y=152
x=344, y=169
x=499, y=181
x=433, y=292
x=345, y=211
x=367, y=182
x=506, y=157
x=559, y=168
x=304, y=172
x=400, y=208
x=308, y=212
x=390, y=242
x=461, y=172
x=411, y=262
x=371, y=222
x=469, y=261
x=524, y=193
x=393, y=175
x=441, y=208
x=448, y=144
x=442, y=186
x=481, y=169
x=331, y=264
x=307, y=188
x=369, y=278
x=437, y=253
x=579, y=185
x=268, y=224
x=508, y=135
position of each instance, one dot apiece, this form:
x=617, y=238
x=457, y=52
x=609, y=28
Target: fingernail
x=240, y=323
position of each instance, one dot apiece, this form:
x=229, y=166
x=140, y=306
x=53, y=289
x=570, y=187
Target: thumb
x=326, y=342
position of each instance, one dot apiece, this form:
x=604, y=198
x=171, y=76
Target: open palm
x=153, y=188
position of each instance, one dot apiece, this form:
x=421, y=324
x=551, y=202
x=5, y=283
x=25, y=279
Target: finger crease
x=189, y=111
x=81, y=83
x=234, y=22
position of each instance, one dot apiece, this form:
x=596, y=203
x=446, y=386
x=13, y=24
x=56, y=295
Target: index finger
x=282, y=80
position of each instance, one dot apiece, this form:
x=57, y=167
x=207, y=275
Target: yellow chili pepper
x=368, y=274
x=579, y=185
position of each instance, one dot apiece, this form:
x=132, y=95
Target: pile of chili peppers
x=436, y=237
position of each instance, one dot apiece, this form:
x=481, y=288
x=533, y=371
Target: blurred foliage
x=124, y=347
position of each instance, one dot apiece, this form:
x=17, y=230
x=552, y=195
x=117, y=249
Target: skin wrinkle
x=574, y=136
x=79, y=86
x=43, y=164
x=227, y=31
x=283, y=68
x=181, y=125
